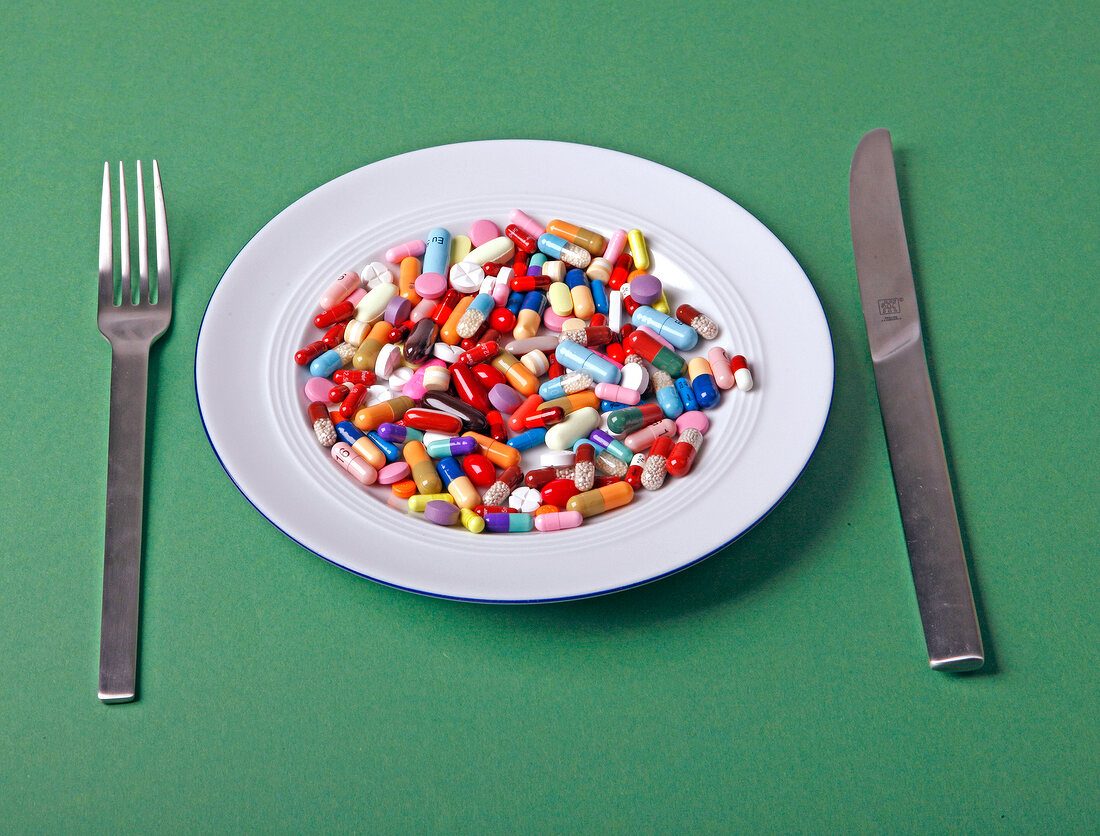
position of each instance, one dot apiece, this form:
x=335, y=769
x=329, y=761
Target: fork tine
x=125, y=288
x=164, y=263
x=106, y=244
x=143, y=239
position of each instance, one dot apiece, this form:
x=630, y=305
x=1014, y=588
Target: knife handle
x=928, y=515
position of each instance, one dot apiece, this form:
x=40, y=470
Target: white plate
x=706, y=249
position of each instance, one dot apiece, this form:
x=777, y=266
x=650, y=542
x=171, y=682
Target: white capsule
x=577, y=425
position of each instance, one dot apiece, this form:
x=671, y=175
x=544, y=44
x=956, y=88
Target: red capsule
x=597, y=320
x=354, y=376
x=482, y=510
x=528, y=407
x=469, y=387
x=398, y=333
x=443, y=309
x=629, y=305
x=498, y=430
x=604, y=481
x=353, y=400
x=432, y=420
x=306, y=355
x=627, y=330
x=616, y=352
x=556, y=369
x=683, y=453
x=543, y=417
x=338, y=392
x=524, y=241
x=519, y=264
x=489, y=376
x=633, y=475
x=491, y=268
x=586, y=453
x=525, y=284
x=540, y=477
x=623, y=265
x=479, y=353
x=480, y=470
x=558, y=491
x=345, y=310
x=334, y=335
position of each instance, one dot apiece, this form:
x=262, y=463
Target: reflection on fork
x=131, y=318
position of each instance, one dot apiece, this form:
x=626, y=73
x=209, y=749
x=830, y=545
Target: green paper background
x=780, y=686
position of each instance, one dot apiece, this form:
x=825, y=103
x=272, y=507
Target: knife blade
x=909, y=416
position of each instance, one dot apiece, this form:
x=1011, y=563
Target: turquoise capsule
x=326, y=364
x=535, y=262
x=579, y=358
x=682, y=336
x=508, y=523
x=443, y=447
x=687, y=394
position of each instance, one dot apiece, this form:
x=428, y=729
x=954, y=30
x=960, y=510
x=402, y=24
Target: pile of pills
x=555, y=341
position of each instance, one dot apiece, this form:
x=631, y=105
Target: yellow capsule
x=460, y=248
x=560, y=298
x=638, y=249
x=423, y=471
x=464, y=492
x=419, y=502
x=662, y=305
x=598, y=500
x=471, y=520
x=367, y=352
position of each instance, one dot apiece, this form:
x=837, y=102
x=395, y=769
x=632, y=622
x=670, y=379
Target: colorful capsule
x=683, y=452
x=498, y=453
x=660, y=357
x=369, y=417
x=704, y=326
x=633, y=418
x=598, y=500
x=423, y=471
x=443, y=447
x=633, y=475
x=517, y=374
x=557, y=247
x=656, y=464
x=501, y=489
x=566, y=384
x=509, y=523
x=583, y=303
x=361, y=444
x=322, y=424
x=741, y=374
x=529, y=317
x=457, y=483
x=702, y=383
x=586, y=238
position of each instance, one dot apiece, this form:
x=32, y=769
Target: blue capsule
x=528, y=439
x=326, y=364
x=515, y=301
x=706, y=391
x=670, y=402
x=575, y=356
x=687, y=395
x=443, y=447
x=599, y=296
x=682, y=336
x=448, y=469
x=398, y=434
x=437, y=252
x=391, y=451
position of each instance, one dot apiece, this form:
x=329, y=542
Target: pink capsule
x=643, y=438
x=340, y=290
x=415, y=387
x=526, y=223
x=409, y=248
x=558, y=521
x=720, y=367
x=618, y=394
x=615, y=245
x=357, y=467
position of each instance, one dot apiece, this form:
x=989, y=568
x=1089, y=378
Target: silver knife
x=909, y=417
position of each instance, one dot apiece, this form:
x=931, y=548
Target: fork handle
x=122, y=549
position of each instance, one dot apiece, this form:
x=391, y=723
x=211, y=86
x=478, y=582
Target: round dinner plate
x=706, y=250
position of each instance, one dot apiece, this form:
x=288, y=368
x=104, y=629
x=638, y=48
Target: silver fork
x=130, y=327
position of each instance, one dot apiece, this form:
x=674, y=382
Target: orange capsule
x=598, y=500
x=499, y=454
x=372, y=417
